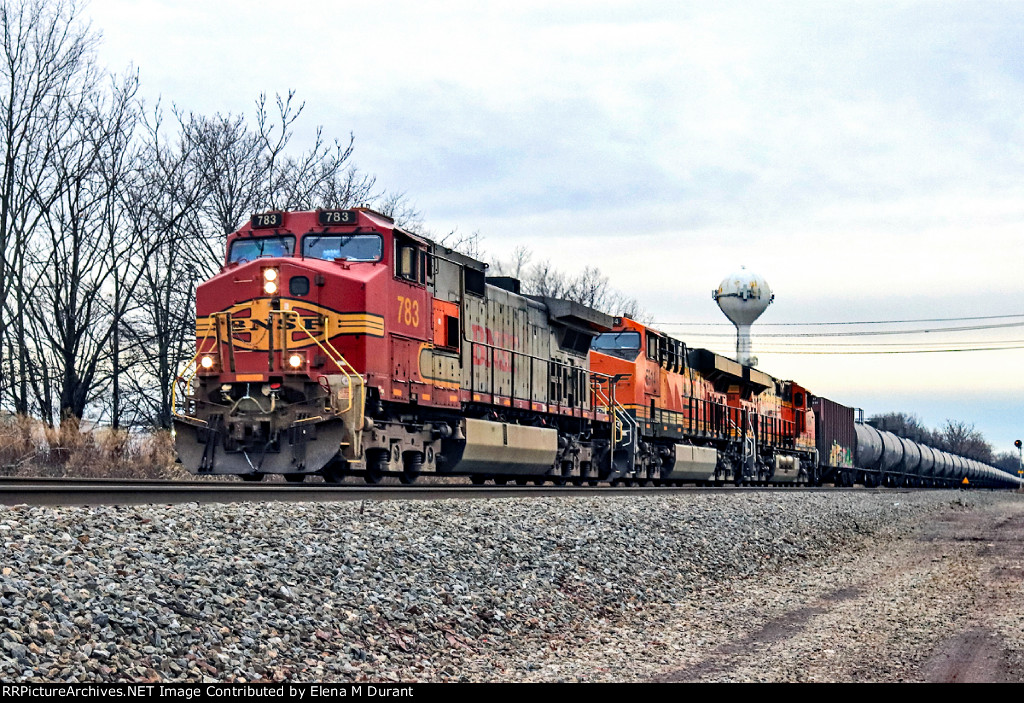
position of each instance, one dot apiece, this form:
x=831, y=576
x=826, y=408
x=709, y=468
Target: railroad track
x=54, y=491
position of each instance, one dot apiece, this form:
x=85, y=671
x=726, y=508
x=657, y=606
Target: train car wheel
x=334, y=472
x=376, y=465
x=521, y=481
x=295, y=478
x=500, y=481
x=412, y=465
x=252, y=478
x=586, y=468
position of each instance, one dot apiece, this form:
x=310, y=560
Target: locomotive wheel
x=500, y=481
x=252, y=478
x=334, y=472
x=412, y=463
x=587, y=474
x=294, y=478
x=521, y=481
x=477, y=479
x=376, y=465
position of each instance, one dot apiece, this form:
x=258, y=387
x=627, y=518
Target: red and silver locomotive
x=336, y=342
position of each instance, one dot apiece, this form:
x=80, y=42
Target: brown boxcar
x=836, y=437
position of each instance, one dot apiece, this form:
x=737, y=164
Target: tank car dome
x=743, y=296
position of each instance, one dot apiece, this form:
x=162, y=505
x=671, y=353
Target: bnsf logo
x=482, y=355
x=313, y=325
x=254, y=323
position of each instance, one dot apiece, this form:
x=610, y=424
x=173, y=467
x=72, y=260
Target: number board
x=267, y=220
x=337, y=217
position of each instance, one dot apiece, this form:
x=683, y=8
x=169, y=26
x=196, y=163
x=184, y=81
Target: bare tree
x=163, y=205
x=590, y=287
x=1007, y=461
x=962, y=439
x=46, y=61
x=904, y=425
x=70, y=308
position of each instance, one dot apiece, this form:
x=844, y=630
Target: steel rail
x=105, y=492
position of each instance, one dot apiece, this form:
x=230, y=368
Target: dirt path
x=988, y=645
x=943, y=603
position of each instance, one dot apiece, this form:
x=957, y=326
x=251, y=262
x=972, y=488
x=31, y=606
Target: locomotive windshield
x=255, y=247
x=622, y=344
x=352, y=247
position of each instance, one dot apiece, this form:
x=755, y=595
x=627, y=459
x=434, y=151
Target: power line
x=773, y=345
x=871, y=333
x=897, y=351
x=862, y=322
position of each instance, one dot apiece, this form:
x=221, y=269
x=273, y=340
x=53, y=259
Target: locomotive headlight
x=269, y=274
x=270, y=287
x=295, y=361
x=206, y=362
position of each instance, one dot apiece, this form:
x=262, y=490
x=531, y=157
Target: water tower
x=743, y=296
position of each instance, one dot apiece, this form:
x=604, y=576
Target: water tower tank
x=743, y=296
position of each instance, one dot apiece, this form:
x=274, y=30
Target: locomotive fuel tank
x=693, y=464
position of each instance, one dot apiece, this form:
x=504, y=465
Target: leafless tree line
x=589, y=287
x=112, y=211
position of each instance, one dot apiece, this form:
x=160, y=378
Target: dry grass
x=31, y=448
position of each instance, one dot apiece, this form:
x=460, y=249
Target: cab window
x=410, y=261
x=351, y=247
x=652, y=347
x=252, y=248
x=625, y=345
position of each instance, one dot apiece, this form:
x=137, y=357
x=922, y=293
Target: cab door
x=411, y=313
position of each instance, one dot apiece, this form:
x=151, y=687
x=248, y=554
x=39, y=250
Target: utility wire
x=894, y=351
x=872, y=333
x=773, y=345
x=862, y=322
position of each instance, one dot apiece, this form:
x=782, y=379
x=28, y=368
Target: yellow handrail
x=178, y=378
x=337, y=358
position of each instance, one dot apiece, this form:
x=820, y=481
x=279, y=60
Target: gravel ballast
x=510, y=589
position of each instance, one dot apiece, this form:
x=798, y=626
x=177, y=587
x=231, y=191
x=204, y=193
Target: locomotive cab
x=280, y=332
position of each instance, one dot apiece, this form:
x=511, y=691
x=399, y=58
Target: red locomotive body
x=333, y=341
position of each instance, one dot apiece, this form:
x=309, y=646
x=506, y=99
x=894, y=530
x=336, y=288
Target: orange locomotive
x=707, y=417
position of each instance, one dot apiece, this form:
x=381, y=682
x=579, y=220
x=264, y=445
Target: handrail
x=336, y=357
x=178, y=378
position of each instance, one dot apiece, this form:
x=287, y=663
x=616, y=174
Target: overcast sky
x=865, y=158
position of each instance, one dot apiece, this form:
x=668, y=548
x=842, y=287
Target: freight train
x=335, y=343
